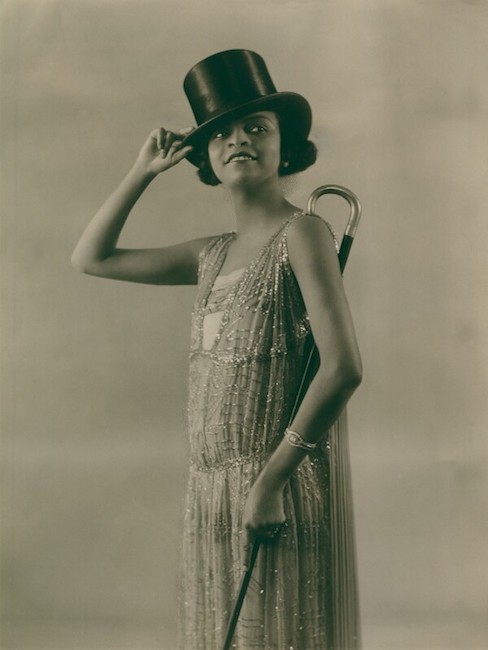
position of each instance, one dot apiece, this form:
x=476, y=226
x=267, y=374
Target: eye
x=219, y=134
x=257, y=127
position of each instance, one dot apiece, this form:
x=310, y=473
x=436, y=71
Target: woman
x=261, y=290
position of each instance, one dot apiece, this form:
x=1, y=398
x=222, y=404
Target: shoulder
x=310, y=236
x=213, y=243
x=314, y=262
x=210, y=250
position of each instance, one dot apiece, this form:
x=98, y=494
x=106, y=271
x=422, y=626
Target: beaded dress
x=246, y=364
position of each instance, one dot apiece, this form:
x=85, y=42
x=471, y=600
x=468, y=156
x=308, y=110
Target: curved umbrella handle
x=354, y=217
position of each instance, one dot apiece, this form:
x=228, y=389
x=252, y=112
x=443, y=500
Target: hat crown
x=225, y=81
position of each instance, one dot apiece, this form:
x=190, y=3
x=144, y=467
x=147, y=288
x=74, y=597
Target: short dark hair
x=297, y=154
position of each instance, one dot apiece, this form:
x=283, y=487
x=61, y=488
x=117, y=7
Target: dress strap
x=300, y=215
x=211, y=251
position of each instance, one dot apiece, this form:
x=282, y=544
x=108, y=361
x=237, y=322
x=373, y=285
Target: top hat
x=230, y=84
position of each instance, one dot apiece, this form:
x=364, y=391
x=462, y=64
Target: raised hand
x=162, y=150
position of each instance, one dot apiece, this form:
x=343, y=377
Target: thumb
x=186, y=131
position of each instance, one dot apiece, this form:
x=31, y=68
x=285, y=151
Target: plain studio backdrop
x=94, y=373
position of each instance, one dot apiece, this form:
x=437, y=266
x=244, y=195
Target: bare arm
x=96, y=252
x=315, y=264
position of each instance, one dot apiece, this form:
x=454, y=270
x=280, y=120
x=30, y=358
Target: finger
x=266, y=535
x=166, y=140
x=180, y=154
x=247, y=547
x=160, y=135
x=270, y=532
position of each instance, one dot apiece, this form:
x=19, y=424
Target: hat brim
x=293, y=109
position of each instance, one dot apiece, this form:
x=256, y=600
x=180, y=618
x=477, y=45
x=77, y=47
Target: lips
x=240, y=155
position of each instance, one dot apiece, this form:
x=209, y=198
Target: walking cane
x=309, y=372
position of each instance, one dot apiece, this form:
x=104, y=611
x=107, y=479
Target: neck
x=259, y=208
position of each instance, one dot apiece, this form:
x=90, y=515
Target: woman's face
x=246, y=150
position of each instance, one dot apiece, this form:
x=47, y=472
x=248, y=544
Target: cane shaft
x=241, y=595
x=344, y=251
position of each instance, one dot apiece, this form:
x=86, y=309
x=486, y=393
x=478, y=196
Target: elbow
x=345, y=376
x=349, y=378
x=78, y=263
x=355, y=380
x=354, y=374
x=81, y=264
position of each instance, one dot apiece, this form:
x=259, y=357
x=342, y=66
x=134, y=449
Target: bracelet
x=296, y=440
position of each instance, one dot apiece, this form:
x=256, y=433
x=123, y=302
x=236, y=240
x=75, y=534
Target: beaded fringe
x=346, y=617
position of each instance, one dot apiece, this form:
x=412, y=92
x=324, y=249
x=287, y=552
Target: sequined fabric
x=242, y=390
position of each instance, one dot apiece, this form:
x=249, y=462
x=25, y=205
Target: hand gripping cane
x=309, y=372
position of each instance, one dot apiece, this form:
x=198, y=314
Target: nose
x=238, y=137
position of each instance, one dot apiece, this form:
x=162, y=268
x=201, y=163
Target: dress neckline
x=245, y=271
x=231, y=237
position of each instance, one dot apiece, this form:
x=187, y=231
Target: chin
x=243, y=177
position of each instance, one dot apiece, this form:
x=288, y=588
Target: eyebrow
x=255, y=116
x=245, y=118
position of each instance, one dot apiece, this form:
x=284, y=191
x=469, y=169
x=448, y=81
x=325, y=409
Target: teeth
x=242, y=157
